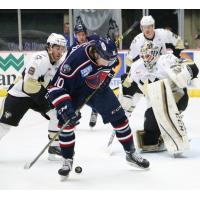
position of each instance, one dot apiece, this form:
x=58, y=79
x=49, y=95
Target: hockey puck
x=78, y=169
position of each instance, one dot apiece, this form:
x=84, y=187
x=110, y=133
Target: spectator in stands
x=197, y=38
x=67, y=33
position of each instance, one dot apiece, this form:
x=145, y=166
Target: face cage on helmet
x=150, y=65
x=154, y=54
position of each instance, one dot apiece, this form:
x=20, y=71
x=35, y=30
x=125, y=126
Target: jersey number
x=60, y=82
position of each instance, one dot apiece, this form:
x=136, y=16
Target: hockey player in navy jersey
x=81, y=36
x=87, y=68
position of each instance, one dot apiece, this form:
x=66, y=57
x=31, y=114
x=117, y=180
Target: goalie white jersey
x=171, y=77
x=38, y=68
x=164, y=68
x=162, y=38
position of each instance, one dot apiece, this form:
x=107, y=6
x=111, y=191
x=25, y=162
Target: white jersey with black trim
x=140, y=74
x=37, y=67
x=160, y=39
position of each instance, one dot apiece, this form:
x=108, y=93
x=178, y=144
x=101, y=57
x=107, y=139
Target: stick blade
x=27, y=166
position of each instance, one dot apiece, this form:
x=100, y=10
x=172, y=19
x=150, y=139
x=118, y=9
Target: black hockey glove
x=106, y=82
x=65, y=112
x=45, y=116
x=123, y=77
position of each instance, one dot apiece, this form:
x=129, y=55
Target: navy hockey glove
x=107, y=80
x=65, y=112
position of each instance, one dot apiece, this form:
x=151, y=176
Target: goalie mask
x=149, y=53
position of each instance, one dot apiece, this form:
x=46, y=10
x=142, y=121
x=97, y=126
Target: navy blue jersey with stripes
x=78, y=74
x=77, y=78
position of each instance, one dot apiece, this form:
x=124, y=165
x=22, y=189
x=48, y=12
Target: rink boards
x=12, y=64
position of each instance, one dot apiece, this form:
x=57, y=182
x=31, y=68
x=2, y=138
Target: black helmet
x=80, y=28
x=106, y=48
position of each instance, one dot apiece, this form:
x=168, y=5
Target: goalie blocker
x=168, y=117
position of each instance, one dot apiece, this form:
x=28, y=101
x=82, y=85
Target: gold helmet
x=149, y=53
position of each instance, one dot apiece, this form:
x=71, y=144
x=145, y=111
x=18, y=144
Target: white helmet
x=57, y=39
x=147, y=21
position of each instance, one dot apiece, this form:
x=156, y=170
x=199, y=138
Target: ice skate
x=54, y=153
x=136, y=160
x=66, y=169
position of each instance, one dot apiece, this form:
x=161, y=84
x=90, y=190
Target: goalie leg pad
x=170, y=122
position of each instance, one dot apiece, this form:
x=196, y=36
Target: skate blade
x=53, y=157
x=64, y=178
x=91, y=127
x=27, y=166
x=178, y=155
x=137, y=166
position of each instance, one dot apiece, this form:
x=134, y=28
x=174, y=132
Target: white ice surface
x=100, y=170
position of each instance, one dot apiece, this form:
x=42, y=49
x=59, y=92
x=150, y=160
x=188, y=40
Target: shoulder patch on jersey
x=86, y=71
x=31, y=70
x=66, y=69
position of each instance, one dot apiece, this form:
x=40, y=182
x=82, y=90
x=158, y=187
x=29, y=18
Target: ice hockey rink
x=101, y=170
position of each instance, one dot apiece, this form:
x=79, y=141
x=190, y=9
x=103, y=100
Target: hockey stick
x=108, y=148
x=28, y=165
x=111, y=139
x=131, y=28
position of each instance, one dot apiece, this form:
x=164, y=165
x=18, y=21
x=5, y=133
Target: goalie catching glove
x=182, y=72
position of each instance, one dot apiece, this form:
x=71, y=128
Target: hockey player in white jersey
x=29, y=89
x=163, y=80
x=162, y=38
